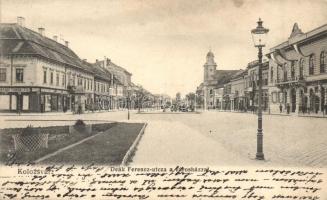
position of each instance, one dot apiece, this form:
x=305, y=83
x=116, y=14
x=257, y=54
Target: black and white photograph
x=163, y=99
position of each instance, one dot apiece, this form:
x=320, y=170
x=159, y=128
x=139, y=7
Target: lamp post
x=259, y=39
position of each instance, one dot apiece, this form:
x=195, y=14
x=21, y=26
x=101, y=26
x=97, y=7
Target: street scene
x=123, y=87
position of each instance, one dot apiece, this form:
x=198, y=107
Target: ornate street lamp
x=259, y=35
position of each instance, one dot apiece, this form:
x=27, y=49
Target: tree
x=190, y=97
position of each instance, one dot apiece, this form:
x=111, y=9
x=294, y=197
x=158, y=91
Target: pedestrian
x=280, y=108
x=288, y=108
x=79, y=109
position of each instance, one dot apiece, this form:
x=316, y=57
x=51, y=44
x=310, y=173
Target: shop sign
x=19, y=90
x=53, y=91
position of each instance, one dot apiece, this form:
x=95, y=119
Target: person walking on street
x=280, y=108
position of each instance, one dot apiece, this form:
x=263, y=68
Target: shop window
x=274, y=97
x=3, y=74
x=19, y=75
x=322, y=62
x=311, y=65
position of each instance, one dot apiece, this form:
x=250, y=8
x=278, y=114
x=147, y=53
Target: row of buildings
x=40, y=74
x=294, y=78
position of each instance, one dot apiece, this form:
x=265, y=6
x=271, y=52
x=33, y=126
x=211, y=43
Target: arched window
x=311, y=64
x=285, y=72
x=301, y=67
x=322, y=62
x=271, y=74
x=293, y=69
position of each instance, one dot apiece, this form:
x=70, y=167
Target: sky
x=164, y=43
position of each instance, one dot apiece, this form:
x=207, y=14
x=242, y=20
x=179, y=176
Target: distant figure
x=288, y=108
x=280, y=108
x=79, y=109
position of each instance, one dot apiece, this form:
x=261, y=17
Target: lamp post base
x=259, y=156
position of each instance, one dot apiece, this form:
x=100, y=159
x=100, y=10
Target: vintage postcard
x=163, y=99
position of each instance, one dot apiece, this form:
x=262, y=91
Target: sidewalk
x=313, y=115
x=173, y=143
x=57, y=113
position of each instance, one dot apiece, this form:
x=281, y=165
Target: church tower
x=209, y=67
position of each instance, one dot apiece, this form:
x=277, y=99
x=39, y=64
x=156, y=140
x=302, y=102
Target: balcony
x=290, y=81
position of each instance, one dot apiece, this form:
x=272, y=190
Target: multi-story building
x=237, y=98
x=123, y=81
x=213, y=79
x=251, y=82
x=39, y=74
x=298, y=72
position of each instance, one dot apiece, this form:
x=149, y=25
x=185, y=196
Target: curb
x=132, y=149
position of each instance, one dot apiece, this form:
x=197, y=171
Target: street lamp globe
x=259, y=35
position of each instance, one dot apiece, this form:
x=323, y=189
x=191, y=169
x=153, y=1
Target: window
x=293, y=69
x=57, y=79
x=271, y=74
x=285, y=72
x=73, y=81
x=63, y=80
x=45, y=76
x=51, y=77
x=311, y=65
x=3, y=74
x=301, y=68
x=19, y=75
x=322, y=62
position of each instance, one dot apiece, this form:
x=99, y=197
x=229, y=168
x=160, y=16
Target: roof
x=18, y=40
x=104, y=73
x=224, y=76
x=111, y=64
x=297, y=36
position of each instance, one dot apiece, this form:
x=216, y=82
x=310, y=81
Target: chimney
x=96, y=60
x=41, y=31
x=108, y=61
x=21, y=21
x=55, y=38
x=66, y=43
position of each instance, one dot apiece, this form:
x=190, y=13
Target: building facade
x=40, y=74
x=298, y=72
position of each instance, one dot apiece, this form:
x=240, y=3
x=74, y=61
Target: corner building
x=298, y=72
x=38, y=74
